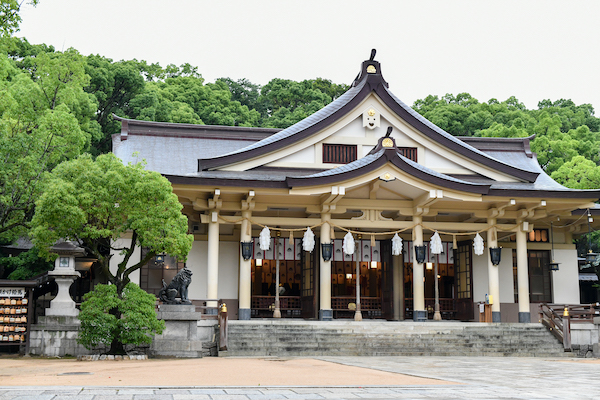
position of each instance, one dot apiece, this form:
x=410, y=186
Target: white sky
x=533, y=50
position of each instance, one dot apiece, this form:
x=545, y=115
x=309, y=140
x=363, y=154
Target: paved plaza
x=445, y=377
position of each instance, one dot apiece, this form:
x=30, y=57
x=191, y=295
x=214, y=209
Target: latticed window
x=160, y=267
x=409, y=152
x=339, y=153
x=540, y=280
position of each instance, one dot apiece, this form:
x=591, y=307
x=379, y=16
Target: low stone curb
x=108, y=357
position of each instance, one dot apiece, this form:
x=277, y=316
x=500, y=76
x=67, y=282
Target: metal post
x=436, y=315
x=277, y=311
x=357, y=313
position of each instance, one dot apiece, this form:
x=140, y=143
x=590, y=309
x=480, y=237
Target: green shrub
x=107, y=320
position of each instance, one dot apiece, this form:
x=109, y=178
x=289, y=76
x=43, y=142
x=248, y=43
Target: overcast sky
x=533, y=50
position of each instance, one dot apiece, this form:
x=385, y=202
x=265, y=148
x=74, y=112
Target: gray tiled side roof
x=543, y=182
x=171, y=155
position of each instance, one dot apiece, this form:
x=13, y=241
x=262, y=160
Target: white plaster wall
x=480, y=277
x=353, y=129
x=306, y=156
x=505, y=272
x=135, y=258
x=229, y=259
x=565, y=281
x=441, y=164
x=507, y=288
x=196, y=262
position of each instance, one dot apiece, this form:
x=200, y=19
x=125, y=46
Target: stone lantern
x=64, y=275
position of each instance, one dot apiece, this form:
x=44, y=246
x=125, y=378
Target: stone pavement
x=477, y=378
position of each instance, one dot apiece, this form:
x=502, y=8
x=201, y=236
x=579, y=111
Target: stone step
x=311, y=338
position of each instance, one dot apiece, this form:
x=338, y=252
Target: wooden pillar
x=212, y=278
x=523, y=274
x=245, y=294
x=325, y=311
x=419, y=311
x=493, y=272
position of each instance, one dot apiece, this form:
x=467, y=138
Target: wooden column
x=325, y=311
x=419, y=311
x=212, y=278
x=493, y=273
x=523, y=274
x=245, y=296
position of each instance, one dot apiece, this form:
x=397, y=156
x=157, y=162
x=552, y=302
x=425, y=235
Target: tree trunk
x=116, y=347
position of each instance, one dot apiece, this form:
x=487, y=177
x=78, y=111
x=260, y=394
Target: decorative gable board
x=350, y=131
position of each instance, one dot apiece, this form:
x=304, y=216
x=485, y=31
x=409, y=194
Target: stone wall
x=56, y=336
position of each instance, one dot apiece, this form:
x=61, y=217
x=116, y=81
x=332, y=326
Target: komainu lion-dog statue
x=177, y=288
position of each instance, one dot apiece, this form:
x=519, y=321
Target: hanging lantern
x=348, y=244
x=420, y=253
x=264, y=239
x=326, y=251
x=478, y=245
x=436, y=244
x=495, y=255
x=590, y=257
x=396, y=245
x=553, y=265
x=308, y=241
x=246, y=250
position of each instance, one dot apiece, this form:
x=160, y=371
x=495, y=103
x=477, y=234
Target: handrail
x=559, y=324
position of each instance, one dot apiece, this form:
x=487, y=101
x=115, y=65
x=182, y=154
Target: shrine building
x=370, y=165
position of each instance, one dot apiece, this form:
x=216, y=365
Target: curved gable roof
x=367, y=82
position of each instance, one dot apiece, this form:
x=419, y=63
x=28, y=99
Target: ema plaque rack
x=15, y=316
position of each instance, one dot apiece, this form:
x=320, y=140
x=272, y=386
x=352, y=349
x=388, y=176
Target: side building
x=369, y=164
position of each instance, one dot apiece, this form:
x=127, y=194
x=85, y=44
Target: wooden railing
x=447, y=307
x=370, y=307
x=551, y=316
x=559, y=317
x=366, y=303
x=263, y=306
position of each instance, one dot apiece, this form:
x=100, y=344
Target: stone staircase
x=378, y=338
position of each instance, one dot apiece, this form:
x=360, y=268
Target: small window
x=409, y=152
x=536, y=235
x=339, y=153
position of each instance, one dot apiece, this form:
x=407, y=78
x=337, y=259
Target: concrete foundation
x=524, y=317
x=244, y=314
x=420, y=315
x=496, y=316
x=184, y=334
x=325, y=315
